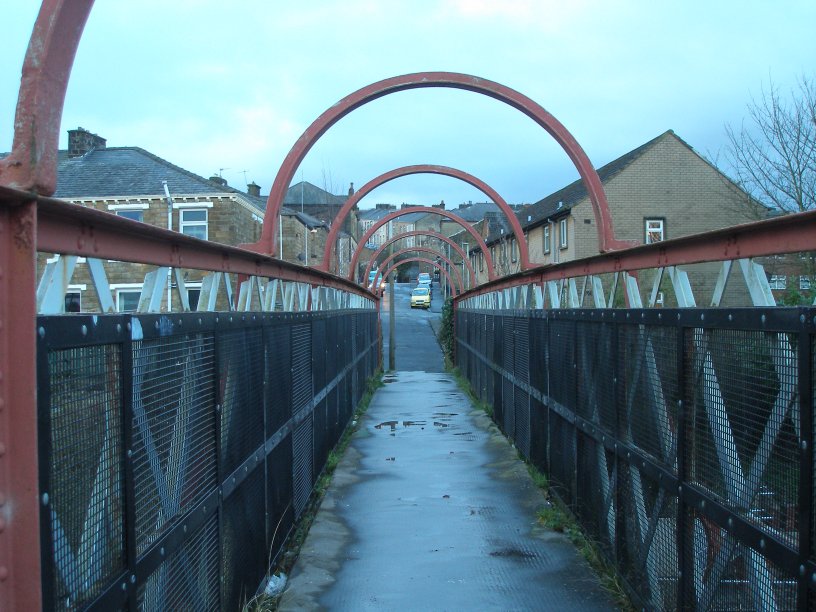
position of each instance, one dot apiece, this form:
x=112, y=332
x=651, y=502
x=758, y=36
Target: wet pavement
x=430, y=509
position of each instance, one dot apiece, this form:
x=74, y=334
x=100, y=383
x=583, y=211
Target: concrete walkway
x=430, y=509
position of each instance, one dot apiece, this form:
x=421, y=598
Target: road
x=416, y=347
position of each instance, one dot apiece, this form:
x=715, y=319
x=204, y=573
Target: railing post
x=806, y=458
x=20, y=584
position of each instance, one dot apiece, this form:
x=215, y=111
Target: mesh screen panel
x=278, y=377
x=539, y=435
x=538, y=354
x=730, y=576
x=596, y=361
x=302, y=464
x=188, y=579
x=280, y=513
x=302, y=390
x=562, y=457
x=174, y=429
x=649, y=390
x=647, y=545
x=241, y=373
x=86, y=471
x=562, y=361
x=744, y=445
x=595, y=482
x=244, y=556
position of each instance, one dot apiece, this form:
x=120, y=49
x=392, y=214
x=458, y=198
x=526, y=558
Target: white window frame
x=651, y=226
x=804, y=283
x=78, y=289
x=778, y=282
x=119, y=288
x=547, y=246
x=185, y=224
x=563, y=240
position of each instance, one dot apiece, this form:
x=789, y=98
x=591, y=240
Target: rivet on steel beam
x=84, y=330
x=2, y=524
x=702, y=317
x=133, y=579
x=45, y=499
x=2, y=401
x=41, y=332
x=801, y=318
x=2, y=449
x=762, y=543
x=762, y=318
x=4, y=573
x=2, y=500
x=118, y=328
x=730, y=317
x=730, y=522
x=161, y=551
x=803, y=445
x=184, y=528
x=156, y=324
x=124, y=586
x=801, y=570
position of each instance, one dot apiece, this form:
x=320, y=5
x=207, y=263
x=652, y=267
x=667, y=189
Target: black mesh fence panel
x=86, y=496
x=241, y=375
x=633, y=410
x=744, y=445
x=188, y=579
x=174, y=458
x=173, y=462
x=302, y=388
x=244, y=555
x=278, y=377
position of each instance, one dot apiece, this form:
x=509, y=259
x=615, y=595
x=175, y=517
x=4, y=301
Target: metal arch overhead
x=515, y=99
x=441, y=269
x=486, y=189
x=422, y=250
x=430, y=233
x=32, y=163
x=432, y=211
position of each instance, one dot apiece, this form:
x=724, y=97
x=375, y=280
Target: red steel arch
x=441, y=269
x=421, y=250
x=486, y=189
x=515, y=99
x=431, y=233
x=432, y=211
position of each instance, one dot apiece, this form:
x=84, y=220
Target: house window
x=136, y=215
x=193, y=222
x=778, y=281
x=563, y=233
x=192, y=297
x=804, y=283
x=127, y=300
x=655, y=230
x=73, y=301
x=547, y=238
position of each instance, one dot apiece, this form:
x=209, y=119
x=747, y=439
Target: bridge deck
x=431, y=509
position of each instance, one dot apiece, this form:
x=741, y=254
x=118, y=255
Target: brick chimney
x=218, y=180
x=254, y=189
x=81, y=141
x=351, y=190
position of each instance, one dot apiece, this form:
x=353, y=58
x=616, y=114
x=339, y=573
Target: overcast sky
x=228, y=87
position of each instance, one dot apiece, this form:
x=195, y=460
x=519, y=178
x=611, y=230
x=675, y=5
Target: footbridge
x=160, y=459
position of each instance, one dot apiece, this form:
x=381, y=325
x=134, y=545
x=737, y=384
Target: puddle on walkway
x=513, y=553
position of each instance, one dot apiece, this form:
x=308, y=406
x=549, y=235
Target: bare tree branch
x=773, y=155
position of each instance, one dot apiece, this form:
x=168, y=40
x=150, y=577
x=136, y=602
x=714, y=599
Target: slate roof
x=311, y=196
x=132, y=171
x=476, y=211
x=306, y=219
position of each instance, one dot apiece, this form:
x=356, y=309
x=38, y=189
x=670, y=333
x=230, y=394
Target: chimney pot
x=254, y=190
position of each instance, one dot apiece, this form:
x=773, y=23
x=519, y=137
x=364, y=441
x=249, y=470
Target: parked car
x=421, y=298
